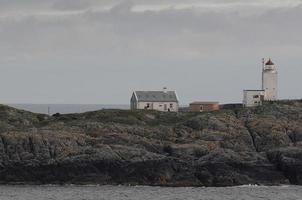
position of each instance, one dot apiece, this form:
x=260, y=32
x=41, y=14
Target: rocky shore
x=229, y=147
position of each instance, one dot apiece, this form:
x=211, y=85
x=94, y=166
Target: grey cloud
x=230, y=27
x=122, y=7
x=187, y=28
x=98, y=46
x=71, y=4
x=21, y=5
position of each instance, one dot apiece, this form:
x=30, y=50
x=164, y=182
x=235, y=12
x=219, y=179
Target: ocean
x=66, y=108
x=27, y=192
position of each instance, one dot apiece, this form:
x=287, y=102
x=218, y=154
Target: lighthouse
x=269, y=90
x=270, y=81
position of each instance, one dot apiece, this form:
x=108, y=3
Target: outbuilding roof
x=253, y=90
x=156, y=96
x=204, y=103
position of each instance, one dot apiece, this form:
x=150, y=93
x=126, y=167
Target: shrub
x=168, y=149
x=200, y=152
x=56, y=115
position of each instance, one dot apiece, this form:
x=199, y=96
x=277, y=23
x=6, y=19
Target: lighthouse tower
x=270, y=81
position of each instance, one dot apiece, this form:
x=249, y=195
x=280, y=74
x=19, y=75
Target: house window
x=256, y=96
x=171, y=105
x=201, y=108
x=148, y=105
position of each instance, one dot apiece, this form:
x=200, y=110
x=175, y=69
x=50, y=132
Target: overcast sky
x=98, y=51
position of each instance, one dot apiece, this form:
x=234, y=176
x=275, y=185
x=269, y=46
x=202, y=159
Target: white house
x=269, y=90
x=166, y=101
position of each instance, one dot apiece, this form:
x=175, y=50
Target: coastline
x=229, y=147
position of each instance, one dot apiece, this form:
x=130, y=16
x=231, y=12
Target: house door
x=165, y=107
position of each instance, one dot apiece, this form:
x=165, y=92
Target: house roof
x=156, y=96
x=203, y=102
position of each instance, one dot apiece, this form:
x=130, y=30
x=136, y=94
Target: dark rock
x=237, y=146
x=226, y=167
x=289, y=161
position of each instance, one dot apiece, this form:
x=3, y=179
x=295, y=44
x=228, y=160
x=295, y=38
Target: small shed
x=252, y=98
x=201, y=106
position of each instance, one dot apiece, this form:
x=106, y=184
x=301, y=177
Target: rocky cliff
x=260, y=145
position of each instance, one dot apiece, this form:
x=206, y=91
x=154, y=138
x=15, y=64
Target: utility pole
x=263, y=64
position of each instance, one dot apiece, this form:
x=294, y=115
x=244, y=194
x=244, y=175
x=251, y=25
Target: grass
x=20, y=119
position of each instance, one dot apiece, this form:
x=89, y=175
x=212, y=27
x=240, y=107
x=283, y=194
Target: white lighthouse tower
x=270, y=81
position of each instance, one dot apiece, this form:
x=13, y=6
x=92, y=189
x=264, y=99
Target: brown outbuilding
x=201, y=106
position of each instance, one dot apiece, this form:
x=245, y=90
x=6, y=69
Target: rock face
x=223, y=148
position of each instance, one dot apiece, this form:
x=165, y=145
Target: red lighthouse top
x=269, y=62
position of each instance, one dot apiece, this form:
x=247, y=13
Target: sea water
x=66, y=108
x=149, y=193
